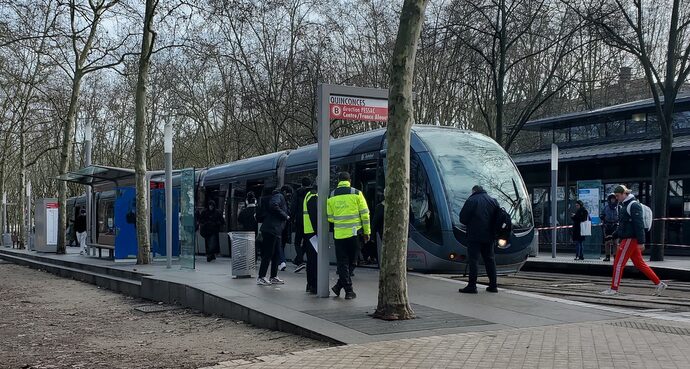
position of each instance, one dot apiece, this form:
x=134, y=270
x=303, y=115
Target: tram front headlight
x=502, y=244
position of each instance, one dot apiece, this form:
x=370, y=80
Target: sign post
x=345, y=103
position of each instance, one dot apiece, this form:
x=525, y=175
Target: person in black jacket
x=298, y=226
x=80, y=229
x=275, y=216
x=580, y=215
x=479, y=216
x=211, y=221
x=247, y=216
x=631, y=232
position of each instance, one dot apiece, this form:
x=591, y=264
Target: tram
x=445, y=163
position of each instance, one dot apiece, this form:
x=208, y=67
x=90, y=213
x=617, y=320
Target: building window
x=615, y=128
x=681, y=120
x=635, y=126
x=561, y=135
x=588, y=132
x=546, y=137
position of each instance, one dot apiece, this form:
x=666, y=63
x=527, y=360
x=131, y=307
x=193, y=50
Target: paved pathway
x=629, y=343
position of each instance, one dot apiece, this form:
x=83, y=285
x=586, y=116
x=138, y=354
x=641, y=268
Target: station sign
x=358, y=108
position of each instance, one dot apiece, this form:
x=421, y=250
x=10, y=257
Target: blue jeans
x=579, y=249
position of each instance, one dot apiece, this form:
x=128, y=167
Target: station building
x=616, y=144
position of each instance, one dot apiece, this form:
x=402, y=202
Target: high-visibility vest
x=348, y=211
x=308, y=228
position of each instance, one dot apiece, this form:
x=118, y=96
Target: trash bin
x=243, y=254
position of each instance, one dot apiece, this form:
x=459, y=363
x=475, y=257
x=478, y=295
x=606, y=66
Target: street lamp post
x=89, y=205
x=168, y=145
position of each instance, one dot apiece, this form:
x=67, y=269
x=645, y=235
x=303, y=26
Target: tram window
x=424, y=216
x=294, y=179
x=235, y=205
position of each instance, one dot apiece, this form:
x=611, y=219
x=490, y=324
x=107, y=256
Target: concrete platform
x=440, y=308
x=672, y=268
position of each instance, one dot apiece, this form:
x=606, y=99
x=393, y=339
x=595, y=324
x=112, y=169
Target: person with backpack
x=634, y=219
x=247, y=216
x=579, y=216
x=479, y=214
x=295, y=211
x=609, y=217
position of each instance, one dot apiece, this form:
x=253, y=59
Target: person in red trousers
x=631, y=233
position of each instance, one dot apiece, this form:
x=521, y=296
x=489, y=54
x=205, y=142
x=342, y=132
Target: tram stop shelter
x=111, y=222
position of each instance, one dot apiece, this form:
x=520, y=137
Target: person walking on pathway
x=580, y=215
x=478, y=214
x=349, y=213
x=275, y=217
x=631, y=232
x=80, y=229
x=309, y=222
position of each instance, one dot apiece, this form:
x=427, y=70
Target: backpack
x=647, y=215
x=503, y=225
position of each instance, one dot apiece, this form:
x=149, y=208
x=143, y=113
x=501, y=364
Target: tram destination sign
x=358, y=108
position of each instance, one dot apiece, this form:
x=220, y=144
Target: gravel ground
x=51, y=322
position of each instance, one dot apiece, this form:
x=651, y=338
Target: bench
x=110, y=248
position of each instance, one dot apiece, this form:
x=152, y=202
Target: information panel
x=358, y=108
x=51, y=223
x=187, y=231
x=589, y=192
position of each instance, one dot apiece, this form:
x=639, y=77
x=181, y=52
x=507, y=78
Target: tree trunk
x=65, y=157
x=393, y=302
x=140, y=139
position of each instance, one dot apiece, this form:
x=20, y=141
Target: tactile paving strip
x=652, y=327
x=428, y=318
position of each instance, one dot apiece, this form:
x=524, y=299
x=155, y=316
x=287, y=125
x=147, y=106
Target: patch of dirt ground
x=51, y=322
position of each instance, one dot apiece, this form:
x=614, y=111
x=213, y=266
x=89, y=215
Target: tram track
x=635, y=294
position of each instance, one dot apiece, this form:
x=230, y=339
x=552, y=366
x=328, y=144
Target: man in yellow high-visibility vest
x=309, y=217
x=349, y=213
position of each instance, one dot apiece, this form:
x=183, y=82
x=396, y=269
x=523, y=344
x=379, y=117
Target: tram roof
x=609, y=113
x=243, y=168
x=340, y=147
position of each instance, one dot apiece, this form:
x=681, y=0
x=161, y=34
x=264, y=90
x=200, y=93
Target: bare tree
x=658, y=36
x=393, y=303
x=88, y=55
x=141, y=140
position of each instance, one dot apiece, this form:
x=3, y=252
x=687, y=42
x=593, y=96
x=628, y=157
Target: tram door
x=365, y=181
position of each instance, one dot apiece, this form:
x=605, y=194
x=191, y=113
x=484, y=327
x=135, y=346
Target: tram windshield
x=465, y=159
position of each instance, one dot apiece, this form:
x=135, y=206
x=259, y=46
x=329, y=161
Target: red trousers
x=628, y=249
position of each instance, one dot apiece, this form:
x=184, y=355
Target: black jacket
x=275, y=214
x=479, y=215
x=580, y=216
x=631, y=225
x=246, y=218
x=210, y=222
x=296, y=207
x=80, y=224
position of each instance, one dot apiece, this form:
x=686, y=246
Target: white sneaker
x=276, y=280
x=263, y=282
x=660, y=288
x=608, y=292
x=282, y=266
